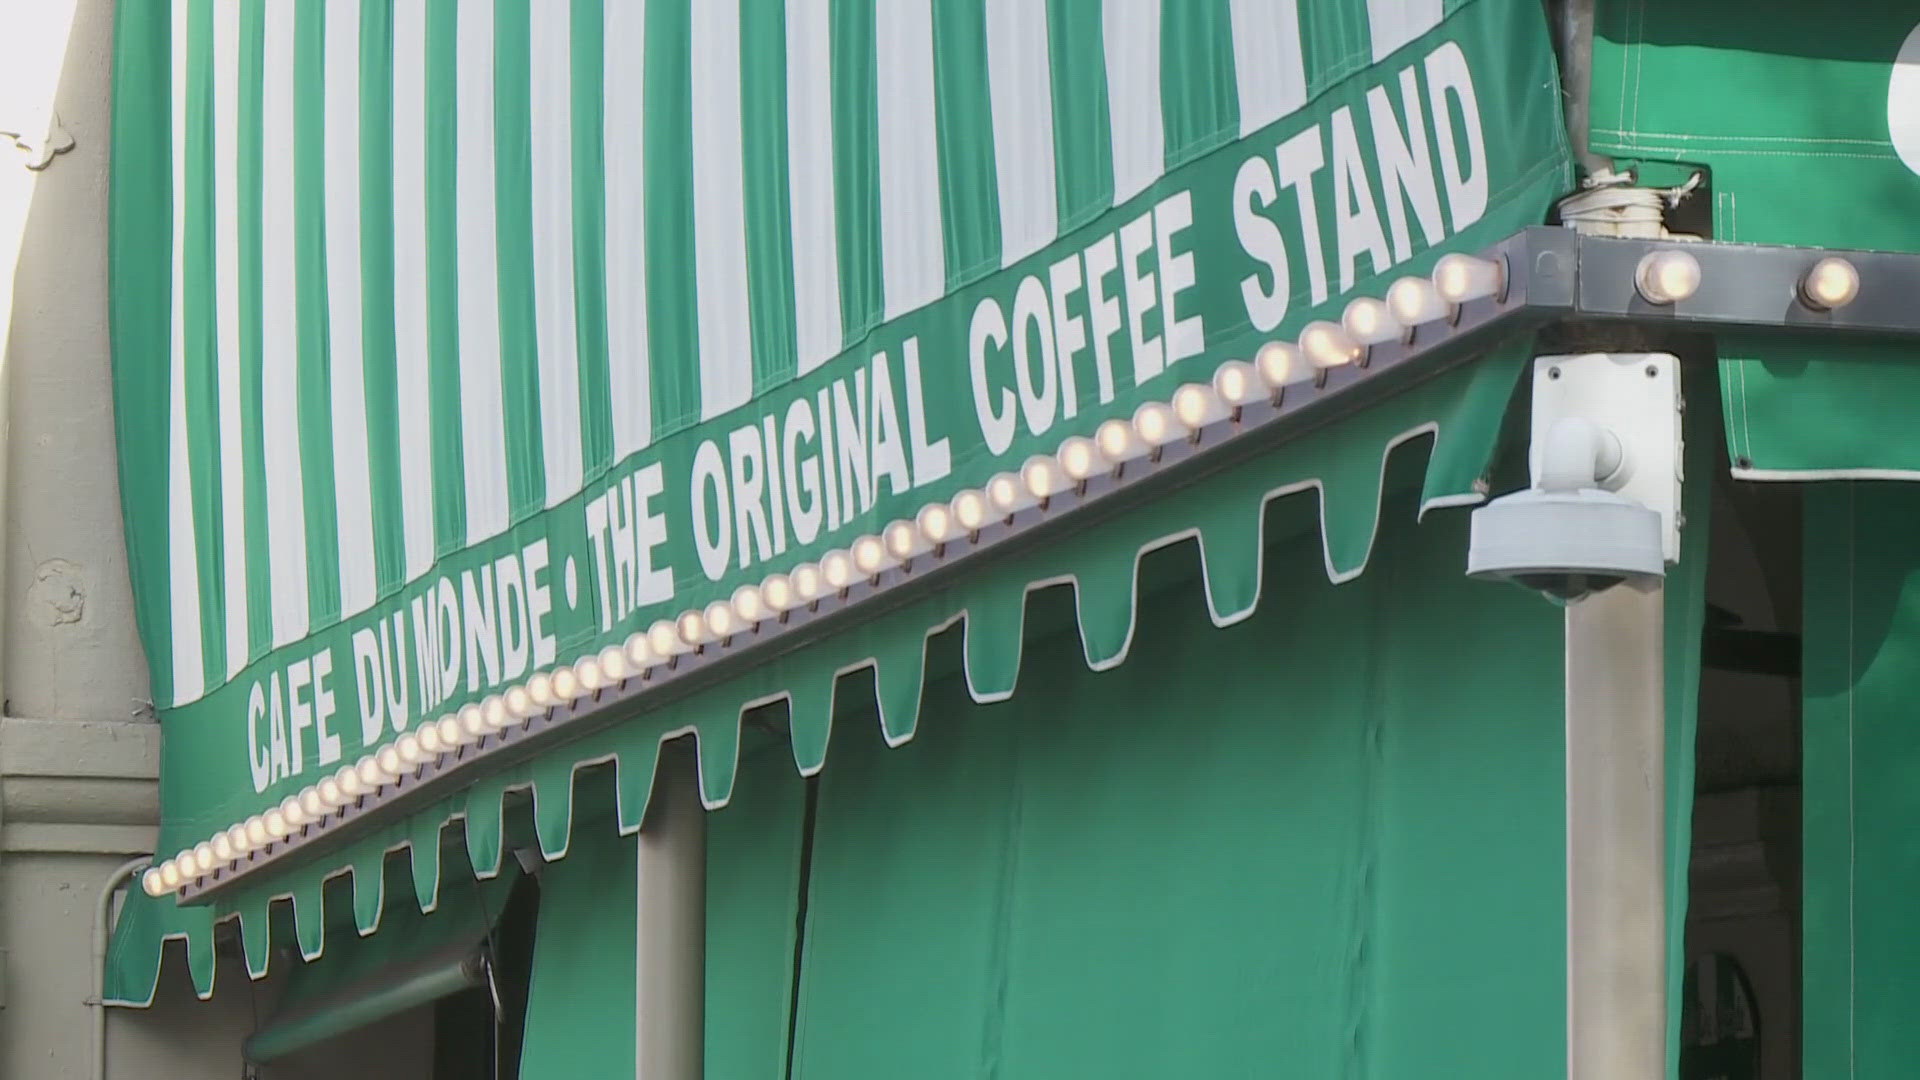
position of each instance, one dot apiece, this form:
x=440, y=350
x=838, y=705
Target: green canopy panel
x=1330, y=479
x=1796, y=114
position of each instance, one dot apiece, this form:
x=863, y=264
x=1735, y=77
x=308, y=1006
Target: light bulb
x=520, y=703
x=170, y=874
x=1196, y=406
x=1414, y=300
x=1460, y=278
x=613, y=663
x=1007, y=494
x=1832, y=283
x=588, y=670
x=748, y=605
x=664, y=639
x=935, y=522
x=540, y=689
x=806, y=582
x=152, y=882
x=1042, y=475
x=1328, y=345
x=1237, y=384
x=1118, y=441
x=1369, y=322
x=777, y=591
x=836, y=567
x=291, y=809
x=313, y=805
x=452, y=734
x=257, y=835
x=276, y=823
x=640, y=651
x=388, y=759
x=1667, y=277
x=370, y=774
x=869, y=555
x=902, y=540
x=1278, y=364
x=1156, y=424
x=429, y=736
x=719, y=618
x=970, y=509
x=203, y=858
x=222, y=847
x=472, y=721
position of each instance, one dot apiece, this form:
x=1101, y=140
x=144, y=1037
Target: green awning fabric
x=1795, y=112
x=423, y=957
x=1860, y=866
x=1328, y=483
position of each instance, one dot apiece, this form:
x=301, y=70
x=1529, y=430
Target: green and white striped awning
x=456, y=339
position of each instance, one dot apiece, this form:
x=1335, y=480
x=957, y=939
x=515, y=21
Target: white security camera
x=1571, y=534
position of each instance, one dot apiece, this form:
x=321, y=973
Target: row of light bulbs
x=1411, y=302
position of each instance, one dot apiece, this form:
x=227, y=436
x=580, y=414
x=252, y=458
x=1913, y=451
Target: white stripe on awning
x=280, y=335
x=1130, y=35
x=483, y=441
x=1269, y=68
x=183, y=569
x=624, y=123
x=719, y=210
x=352, y=478
x=1021, y=87
x=550, y=83
x=1393, y=23
x=226, y=257
x=816, y=253
x=912, y=247
x=412, y=384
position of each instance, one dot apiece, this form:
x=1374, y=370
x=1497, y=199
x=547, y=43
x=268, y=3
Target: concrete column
x=670, y=966
x=1616, y=838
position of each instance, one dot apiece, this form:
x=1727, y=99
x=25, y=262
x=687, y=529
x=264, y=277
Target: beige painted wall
x=78, y=744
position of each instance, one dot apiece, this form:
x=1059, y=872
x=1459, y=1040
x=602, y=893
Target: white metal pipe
x=102, y=911
x=1616, y=839
x=671, y=933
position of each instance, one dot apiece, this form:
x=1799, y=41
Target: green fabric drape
x=1862, y=749
x=1326, y=841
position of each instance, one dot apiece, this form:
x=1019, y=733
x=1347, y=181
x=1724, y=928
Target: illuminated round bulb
x=1369, y=322
x=869, y=555
x=719, y=616
x=430, y=741
x=1832, y=283
x=1414, y=300
x=237, y=839
x=472, y=721
x=388, y=760
x=591, y=675
x=970, y=508
x=1278, y=364
x=1156, y=424
x=777, y=591
x=935, y=523
x=1460, y=278
x=152, y=882
x=1328, y=345
x=748, y=605
x=520, y=703
x=1117, y=441
x=370, y=774
x=1667, y=277
x=664, y=640
x=902, y=540
x=314, y=806
x=837, y=568
x=170, y=874
x=451, y=733
x=1043, y=475
x=257, y=834
x=276, y=824
x=1196, y=405
x=291, y=809
x=1237, y=383
x=202, y=857
x=223, y=847
x=806, y=583
x=692, y=628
